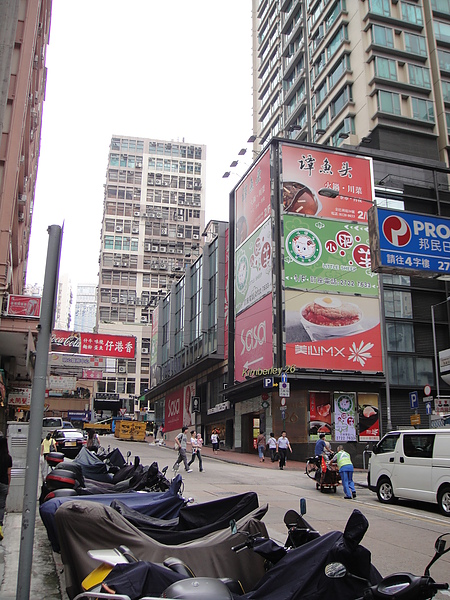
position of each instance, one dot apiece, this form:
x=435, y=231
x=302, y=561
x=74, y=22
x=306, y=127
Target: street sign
x=283, y=414
x=195, y=404
x=268, y=382
x=428, y=398
x=428, y=409
x=415, y=419
x=284, y=390
x=283, y=378
x=414, y=400
x=427, y=390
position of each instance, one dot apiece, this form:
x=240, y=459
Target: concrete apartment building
x=375, y=73
x=153, y=221
x=64, y=300
x=24, y=35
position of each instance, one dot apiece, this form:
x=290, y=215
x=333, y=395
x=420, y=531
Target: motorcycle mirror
x=442, y=544
x=292, y=519
x=233, y=527
x=335, y=570
x=303, y=506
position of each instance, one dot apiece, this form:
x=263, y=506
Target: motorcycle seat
x=178, y=566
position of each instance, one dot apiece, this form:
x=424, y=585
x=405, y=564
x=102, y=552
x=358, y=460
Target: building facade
x=375, y=73
x=24, y=35
x=154, y=217
x=64, y=300
x=85, y=307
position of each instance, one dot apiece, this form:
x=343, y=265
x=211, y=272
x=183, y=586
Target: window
x=415, y=44
x=418, y=445
x=340, y=36
x=400, y=337
x=447, y=118
x=340, y=101
x=387, y=444
x=347, y=126
x=410, y=370
x=382, y=36
x=333, y=15
x=385, y=68
x=397, y=304
x=444, y=60
x=412, y=13
x=339, y=70
x=388, y=102
x=423, y=109
x=442, y=31
x=380, y=7
x=419, y=76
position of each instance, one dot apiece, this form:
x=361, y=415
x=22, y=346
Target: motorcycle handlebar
x=240, y=547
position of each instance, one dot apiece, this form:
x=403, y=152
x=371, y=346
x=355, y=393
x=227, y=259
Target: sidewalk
x=47, y=578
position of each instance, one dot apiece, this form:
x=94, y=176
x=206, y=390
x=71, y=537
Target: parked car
x=67, y=425
x=49, y=424
x=69, y=441
x=412, y=464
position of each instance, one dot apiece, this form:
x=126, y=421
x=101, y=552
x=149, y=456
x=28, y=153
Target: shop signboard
x=345, y=417
x=23, y=306
x=74, y=360
x=20, y=397
x=95, y=344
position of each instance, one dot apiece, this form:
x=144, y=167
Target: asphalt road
x=400, y=537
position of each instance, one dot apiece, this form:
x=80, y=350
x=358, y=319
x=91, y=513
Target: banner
x=23, y=306
x=178, y=408
x=319, y=415
x=368, y=417
x=96, y=344
x=345, y=417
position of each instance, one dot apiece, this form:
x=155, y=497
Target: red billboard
x=23, y=306
x=311, y=179
x=94, y=344
x=253, y=343
x=252, y=199
x=226, y=307
x=178, y=408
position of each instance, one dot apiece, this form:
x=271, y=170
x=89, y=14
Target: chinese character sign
x=95, y=344
x=253, y=200
x=312, y=177
x=23, y=306
x=344, y=417
x=329, y=256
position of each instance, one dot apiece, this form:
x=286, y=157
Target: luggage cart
x=328, y=479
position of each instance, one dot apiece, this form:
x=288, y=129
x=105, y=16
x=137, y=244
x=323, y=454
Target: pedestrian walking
x=198, y=451
x=5, y=478
x=282, y=447
x=180, y=444
x=215, y=440
x=272, y=443
x=48, y=445
x=345, y=466
x=261, y=445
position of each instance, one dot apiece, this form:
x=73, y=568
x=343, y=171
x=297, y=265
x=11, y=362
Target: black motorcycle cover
x=194, y=521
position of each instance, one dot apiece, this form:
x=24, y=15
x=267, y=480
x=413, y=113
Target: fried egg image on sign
x=331, y=311
x=303, y=246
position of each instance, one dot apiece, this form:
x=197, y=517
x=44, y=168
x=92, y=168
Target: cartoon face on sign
x=303, y=246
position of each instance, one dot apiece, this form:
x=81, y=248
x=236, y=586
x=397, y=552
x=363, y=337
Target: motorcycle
x=403, y=586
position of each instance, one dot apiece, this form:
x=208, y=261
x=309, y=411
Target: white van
x=49, y=424
x=412, y=464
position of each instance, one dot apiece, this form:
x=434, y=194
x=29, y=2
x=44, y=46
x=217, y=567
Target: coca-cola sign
x=94, y=344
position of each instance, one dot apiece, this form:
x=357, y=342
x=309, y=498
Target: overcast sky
x=144, y=68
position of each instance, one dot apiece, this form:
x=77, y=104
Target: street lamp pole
x=436, y=361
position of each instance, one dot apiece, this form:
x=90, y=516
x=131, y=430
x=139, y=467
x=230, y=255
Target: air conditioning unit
x=135, y=230
x=154, y=248
x=180, y=250
x=147, y=247
x=137, y=213
x=195, y=236
x=131, y=300
x=114, y=300
x=163, y=249
x=163, y=266
x=172, y=250
x=122, y=301
x=144, y=350
x=179, y=235
x=159, y=215
x=22, y=198
x=163, y=230
x=21, y=218
x=122, y=369
x=117, y=264
x=138, y=165
x=125, y=263
x=144, y=319
x=119, y=229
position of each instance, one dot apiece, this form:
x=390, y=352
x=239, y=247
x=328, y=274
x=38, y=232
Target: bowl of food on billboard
x=318, y=427
x=300, y=199
x=329, y=316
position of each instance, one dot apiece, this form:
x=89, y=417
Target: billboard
x=74, y=360
x=331, y=331
x=20, y=397
x=178, y=407
x=253, y=342
x=253, y=268
x=345, y=417
x=403, y=242
x=95, y=344
x=252, y=199
x=23, y=306
x=311, y=178
x=326, y=255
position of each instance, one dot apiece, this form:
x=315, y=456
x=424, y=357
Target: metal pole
x=37, y=413
x=436, y=364
x=385, y=355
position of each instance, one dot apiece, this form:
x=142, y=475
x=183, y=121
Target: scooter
x=402, y=586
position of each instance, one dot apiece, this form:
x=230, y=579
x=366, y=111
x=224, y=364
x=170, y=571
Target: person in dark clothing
x=5, y=478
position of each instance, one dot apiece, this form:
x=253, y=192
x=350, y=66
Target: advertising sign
x=92, y=374
x=57, y=382
x=96, y=344
x=345, y=417
x=368, y=417
x=226, y=307
x=23, y=306
x=253, y=268
x=178, y=408
x=20, y=397
x=312, y=177
x=404, y=242
x=326, y=255
x=319, y=415
x=253, y=341
x=71, y=360
x=332, y=332
x=252, y=199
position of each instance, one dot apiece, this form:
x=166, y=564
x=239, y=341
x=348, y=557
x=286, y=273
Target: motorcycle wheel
x=444, y=501
x=385, y=492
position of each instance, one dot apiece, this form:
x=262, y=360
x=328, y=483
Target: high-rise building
x=85, y=307
x=375, y=73
x=63, y=317
x=153, y=220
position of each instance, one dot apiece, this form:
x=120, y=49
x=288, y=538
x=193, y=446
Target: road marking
x=406, y=512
